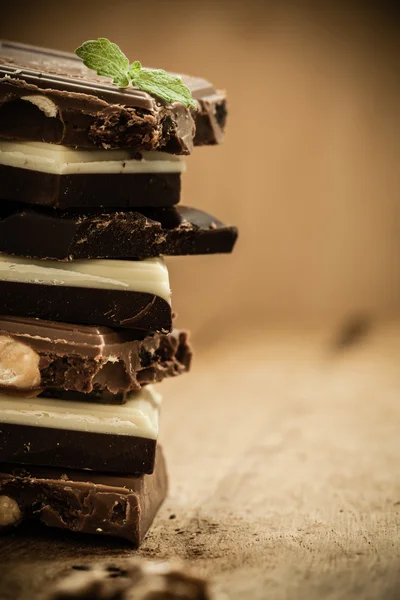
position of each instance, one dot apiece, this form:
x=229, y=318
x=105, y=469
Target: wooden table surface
x=284, y=458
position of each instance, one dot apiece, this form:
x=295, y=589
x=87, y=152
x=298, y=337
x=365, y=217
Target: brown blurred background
x=309, y=168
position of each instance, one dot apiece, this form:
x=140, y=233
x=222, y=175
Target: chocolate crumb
x=142, y=580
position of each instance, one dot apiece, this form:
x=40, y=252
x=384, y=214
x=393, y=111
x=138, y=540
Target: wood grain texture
x=285, y=475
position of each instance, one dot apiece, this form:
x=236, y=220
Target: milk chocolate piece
x=79, y=435
x=70, y=235
x=59, y=176
x=82, y=501
x=50, y=96
x=36, y=354
x=132, y=294
x=136, y=578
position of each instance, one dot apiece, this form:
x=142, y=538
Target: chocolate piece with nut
x=120, y=506
x=36, y=355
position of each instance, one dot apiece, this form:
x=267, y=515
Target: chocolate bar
x=63, y=177
x=115, y=293
x=36, y=354
x=50, y=96
x=137, y=579
x=82, y=501
x=71, y=235
x=76, y=435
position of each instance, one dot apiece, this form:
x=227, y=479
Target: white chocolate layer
x=138, y=417
x=63, y=160
x=149, y=275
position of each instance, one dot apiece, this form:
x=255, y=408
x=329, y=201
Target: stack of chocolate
x=90, y=176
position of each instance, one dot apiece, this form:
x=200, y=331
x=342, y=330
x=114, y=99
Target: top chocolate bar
x=50, y=96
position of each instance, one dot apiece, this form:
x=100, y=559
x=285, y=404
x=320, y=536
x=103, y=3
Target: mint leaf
x=160, y=83
x=106, y=59
x=135, y=69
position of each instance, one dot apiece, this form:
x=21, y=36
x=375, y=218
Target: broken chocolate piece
x=136, y=578
x=36, y=354
x=50, y=96
x=50, y=175
x=71, y=235
x=78, y=435
x=131, y=294
x=82, y=501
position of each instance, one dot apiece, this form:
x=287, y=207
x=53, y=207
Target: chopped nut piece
x=10, y=512
x=19, y=364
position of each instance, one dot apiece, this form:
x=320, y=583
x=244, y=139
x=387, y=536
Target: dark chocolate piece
x=83, y=502
x=69, y=235
x=90, y=111
x=85, y=359
x=89, y=189
x=72, y=449
x=91, y=306
x=136, y=579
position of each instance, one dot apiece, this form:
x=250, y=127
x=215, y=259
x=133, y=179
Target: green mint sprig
x=107, y=59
